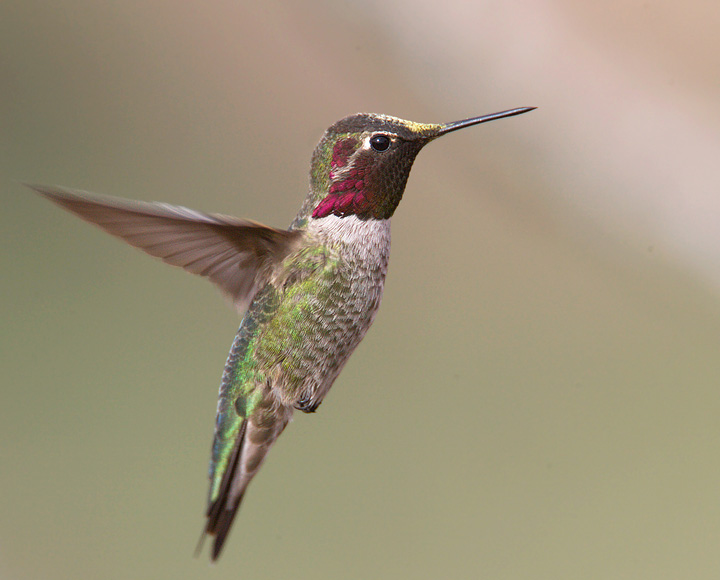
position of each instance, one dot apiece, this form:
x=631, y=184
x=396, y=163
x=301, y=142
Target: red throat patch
x=349, y=192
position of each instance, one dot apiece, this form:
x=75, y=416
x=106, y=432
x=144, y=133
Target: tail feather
x=221, y=512
x=222, y=524
x=253, y=442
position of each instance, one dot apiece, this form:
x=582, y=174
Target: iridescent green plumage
x=295, y=338
x=269, y=341
x=310, y=292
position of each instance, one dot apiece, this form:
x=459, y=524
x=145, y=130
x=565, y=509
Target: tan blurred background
x=539, y=395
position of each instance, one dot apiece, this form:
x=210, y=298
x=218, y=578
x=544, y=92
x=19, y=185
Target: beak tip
x=448, y=127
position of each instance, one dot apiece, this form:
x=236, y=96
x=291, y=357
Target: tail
x=252, y=444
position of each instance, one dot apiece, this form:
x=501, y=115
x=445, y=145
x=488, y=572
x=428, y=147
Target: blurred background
x=539, y=396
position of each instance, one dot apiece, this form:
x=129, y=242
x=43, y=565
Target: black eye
x=380, y=142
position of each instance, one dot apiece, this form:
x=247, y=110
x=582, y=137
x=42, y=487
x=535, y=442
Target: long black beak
x=448, y=127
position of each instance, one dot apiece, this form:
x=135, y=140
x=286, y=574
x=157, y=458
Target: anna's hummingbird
x=309, y=293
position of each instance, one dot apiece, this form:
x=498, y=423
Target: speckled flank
x=296, y=337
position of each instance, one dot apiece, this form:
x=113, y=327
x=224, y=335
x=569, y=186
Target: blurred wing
x=235, y=254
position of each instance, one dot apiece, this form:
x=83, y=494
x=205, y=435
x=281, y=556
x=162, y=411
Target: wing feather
x=236, y=255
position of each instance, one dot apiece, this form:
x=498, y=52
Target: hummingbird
x=309, y=293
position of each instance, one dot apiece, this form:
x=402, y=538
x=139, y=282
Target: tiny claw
x=306, y=405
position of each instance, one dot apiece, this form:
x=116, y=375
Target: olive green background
x=538, y=397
